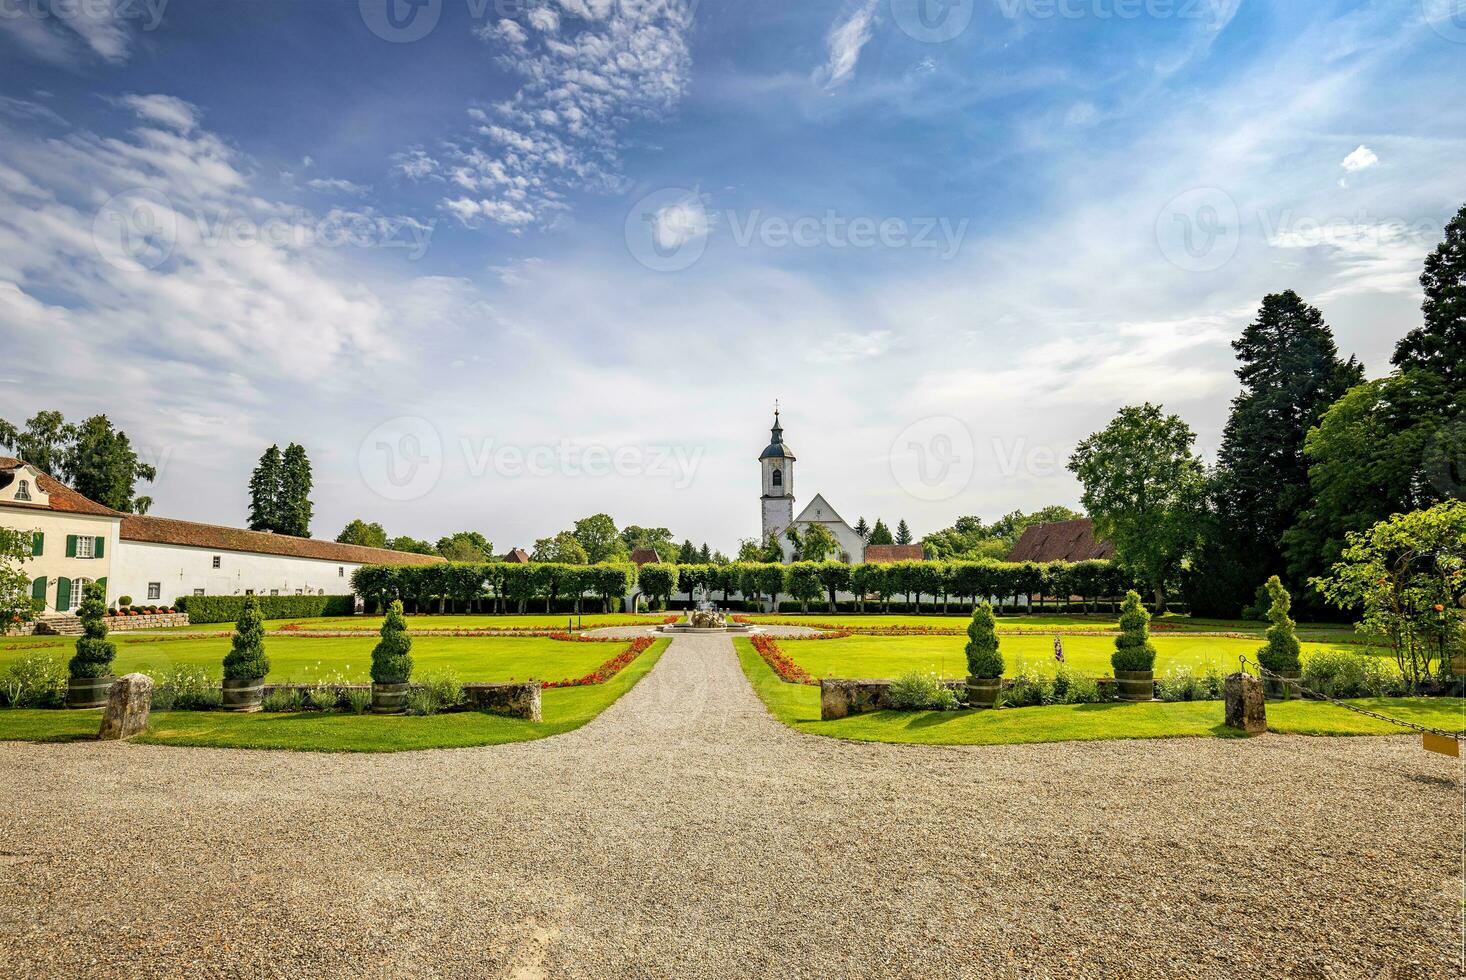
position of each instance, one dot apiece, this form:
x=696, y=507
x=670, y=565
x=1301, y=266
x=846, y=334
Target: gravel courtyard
x=687, y=834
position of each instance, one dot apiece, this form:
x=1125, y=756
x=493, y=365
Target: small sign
x=1443, y=744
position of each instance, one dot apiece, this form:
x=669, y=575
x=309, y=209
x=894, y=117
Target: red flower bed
x=315, y=630
x=610, y=668
x=789, y=672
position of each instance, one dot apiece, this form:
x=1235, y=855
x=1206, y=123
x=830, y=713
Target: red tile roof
x=645, y=556
x=1062, y=541
x=882, y=554
x=63, y=498
x=517, y=557
x=162, y=530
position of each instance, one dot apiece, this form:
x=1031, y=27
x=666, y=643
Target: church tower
x=777, y=463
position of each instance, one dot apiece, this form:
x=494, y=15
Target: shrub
x=1029, y=690
x=983, y=659
x=35, y=682
x=246, y=659
x=93, y=652
x=227, y=608
x=284, y=700
x=1185, y=684
x=324, y=698
x=124, y=600
x=1341, y=674
x=1072, y=688
x=392, y=658
x=1281, y=653
x=1133, y=649
x=358, y=699
x=917, y=691
x=186, y=688
x=436, y=692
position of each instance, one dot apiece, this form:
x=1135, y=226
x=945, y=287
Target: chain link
x=1318, y=696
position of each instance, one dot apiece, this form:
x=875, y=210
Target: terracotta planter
x=1135, y=685
x=389, y=699
x=243, y=693
x=982, y=692
x=1276, y=690
x=88, y=692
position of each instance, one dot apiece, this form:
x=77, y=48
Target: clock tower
x=777, y=465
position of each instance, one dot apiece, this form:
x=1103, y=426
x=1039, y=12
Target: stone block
x=843, y=698
x=509, y=700
x=128, y=704
x=1246, y=704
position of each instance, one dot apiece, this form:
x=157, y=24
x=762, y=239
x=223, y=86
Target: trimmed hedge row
x=227, y=608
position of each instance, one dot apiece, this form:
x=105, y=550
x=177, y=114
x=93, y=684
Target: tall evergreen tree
x=903, y=533
x=1439, y=345
x=880, y=534
x=705, y=554
x=264, y=492
x=101, y=464
x=862, y=529
x=295, y=492
x=687, y=555
x=1291, y=373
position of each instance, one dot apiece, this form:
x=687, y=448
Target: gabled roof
x=162, y=530
x=1061, y=541
x=645, y=556
x=63, y=499
x=517, y=557
x=882, y=554
x=819, y=511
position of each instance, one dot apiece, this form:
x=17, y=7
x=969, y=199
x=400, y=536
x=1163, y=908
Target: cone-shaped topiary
x=1281, y=653
x=1133, y=649
x=94, y=652
x=246, y=659
x=983, y=658
x=392, y=657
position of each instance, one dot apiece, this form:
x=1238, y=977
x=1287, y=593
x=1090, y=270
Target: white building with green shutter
x=73, y=539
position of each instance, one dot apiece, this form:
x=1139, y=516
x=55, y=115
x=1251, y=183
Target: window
x=274, y=592
x=155, y=590
x=84, y=546
x=78, y=592
x=198, y=591
x=299, y=592
x=249, y=591
x=23, y=490
x=778, y=478
x=340, y=571
x=217, y=561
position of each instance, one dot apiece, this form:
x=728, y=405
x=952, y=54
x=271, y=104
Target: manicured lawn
x=1049, y=623
x=306, y=660
x=891, y=656
x=565, y=709
x=798, y=706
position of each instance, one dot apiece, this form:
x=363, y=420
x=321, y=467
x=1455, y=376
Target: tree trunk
x=1160, y=601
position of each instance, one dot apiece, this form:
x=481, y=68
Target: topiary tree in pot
x=984, y=661
x=1281, y=655
x=246, y=665
x=1134, y=656
x=392, y=664
x=91, y=667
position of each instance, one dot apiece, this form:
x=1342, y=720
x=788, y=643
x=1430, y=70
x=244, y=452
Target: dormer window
x=778, y=478
x=23, y=490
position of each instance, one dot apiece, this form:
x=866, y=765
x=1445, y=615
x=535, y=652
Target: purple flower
x=1059, y=649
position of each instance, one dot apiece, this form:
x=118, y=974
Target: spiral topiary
x=1133, y=649
x=983, y=659
x=1281, y=655
x=392, y=658
x=94, y=652
x=246, y=659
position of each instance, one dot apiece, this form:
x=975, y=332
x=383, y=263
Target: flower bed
x=789, y=672
x=306, y=629
x=610, y=668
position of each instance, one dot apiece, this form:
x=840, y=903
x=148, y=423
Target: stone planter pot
x=389, y=699
x=1278, y=691
x=982, y=692
x=1135, y=685
x=243, y=693
x=88, y=692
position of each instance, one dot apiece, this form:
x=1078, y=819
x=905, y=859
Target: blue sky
x=556, y=257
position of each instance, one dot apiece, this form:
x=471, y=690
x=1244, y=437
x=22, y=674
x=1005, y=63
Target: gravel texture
x=687, y=834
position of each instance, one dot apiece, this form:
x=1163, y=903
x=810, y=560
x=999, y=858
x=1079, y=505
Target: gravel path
x=686, y=834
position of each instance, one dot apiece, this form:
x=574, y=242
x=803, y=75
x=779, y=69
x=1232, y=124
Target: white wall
x=180, y=570
x=53, y=564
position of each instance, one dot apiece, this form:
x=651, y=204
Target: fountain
x=704, y=617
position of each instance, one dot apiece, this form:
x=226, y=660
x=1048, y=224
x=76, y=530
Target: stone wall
x=126, y=624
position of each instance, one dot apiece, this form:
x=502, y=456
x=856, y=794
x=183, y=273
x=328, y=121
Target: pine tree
x=295, y=492
x=94, y=652
x=1439, y=346
x=246, y=659
x=984, y=661
x=903, y=533
x=862, y=529
x=392, y=656
x=880, y=534
x=705, y=554
x=264, y=492
x=687, y=554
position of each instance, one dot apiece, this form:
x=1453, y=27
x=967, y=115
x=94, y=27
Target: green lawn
x=557, y=621
x=306, y=660
x=1050, y=623
x=891, y=656
x=564, y=709
x=798, y=706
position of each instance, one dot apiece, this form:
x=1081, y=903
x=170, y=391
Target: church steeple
x=777, y=465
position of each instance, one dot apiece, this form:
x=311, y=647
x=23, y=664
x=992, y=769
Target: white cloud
x=71, y=34
x=1361, y=159
x=337, y=184
x=845, y=42
x=166, y=110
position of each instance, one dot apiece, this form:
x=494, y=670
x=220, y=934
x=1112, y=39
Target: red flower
x=789, y=672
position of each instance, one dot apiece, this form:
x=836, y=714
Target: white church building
x=776, y=463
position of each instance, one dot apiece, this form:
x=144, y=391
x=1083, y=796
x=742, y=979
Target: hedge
x=227, y=608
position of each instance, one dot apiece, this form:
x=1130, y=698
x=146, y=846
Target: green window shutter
x=38, y=543
x=103, y=583
x=63, y=594
x=71, y=546
x=38, y=589
x=97, y=547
